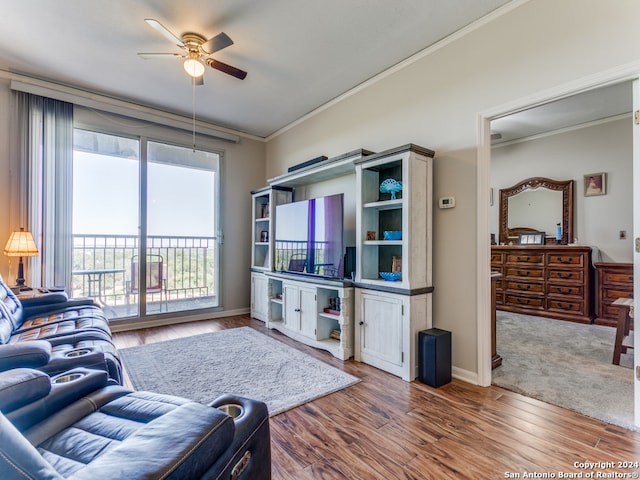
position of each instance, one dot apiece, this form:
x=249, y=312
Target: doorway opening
x=509, y=131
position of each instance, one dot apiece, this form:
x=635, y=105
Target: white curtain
x=46, y=144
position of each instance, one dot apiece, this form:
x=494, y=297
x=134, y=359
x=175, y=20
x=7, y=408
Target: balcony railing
x=188, y=267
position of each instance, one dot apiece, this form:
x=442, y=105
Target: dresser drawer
x=524, y=272
x=554, y=275
x=617, y=277
x=575, y=259
x=568, y=290
x=529, y=287
x=496, y=257
x=611, y=294
x=533, y=303
x=525, y=258
x=565, y=305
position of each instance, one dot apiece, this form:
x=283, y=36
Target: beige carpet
x=565, y=364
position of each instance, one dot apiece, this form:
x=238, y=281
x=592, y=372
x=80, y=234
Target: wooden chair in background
x=624, y=326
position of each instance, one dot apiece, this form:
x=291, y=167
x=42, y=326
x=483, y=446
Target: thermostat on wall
x=447, y=202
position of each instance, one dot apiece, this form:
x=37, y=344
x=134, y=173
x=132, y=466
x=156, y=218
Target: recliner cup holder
x=66, y=378
x=78, y=352
x=232, y=409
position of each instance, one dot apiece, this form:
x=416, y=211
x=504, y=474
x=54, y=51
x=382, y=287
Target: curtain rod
x=120, y=107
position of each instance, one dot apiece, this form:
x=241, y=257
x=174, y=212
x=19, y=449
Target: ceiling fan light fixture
x=194, y=66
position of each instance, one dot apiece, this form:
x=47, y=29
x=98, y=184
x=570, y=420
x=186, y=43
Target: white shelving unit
x=297, y=309
x=263, y=213
x=264, y=202
x=389, y=314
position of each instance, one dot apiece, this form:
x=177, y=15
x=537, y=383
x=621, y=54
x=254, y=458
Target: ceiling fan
x=196, y=52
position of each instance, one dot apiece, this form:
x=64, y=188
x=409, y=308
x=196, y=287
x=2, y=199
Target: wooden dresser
x=547, y=280
x=615, y=280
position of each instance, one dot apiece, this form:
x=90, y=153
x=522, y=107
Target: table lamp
x=21, y=244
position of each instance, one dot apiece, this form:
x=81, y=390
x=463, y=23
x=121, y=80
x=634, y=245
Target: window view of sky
x=105, y=197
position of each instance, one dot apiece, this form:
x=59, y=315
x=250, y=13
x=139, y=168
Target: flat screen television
x=308, y=237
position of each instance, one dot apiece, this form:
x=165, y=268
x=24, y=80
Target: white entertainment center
x=372, y=319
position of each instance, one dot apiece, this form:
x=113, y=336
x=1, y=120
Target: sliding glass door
x=181, y=228
x=144, y=225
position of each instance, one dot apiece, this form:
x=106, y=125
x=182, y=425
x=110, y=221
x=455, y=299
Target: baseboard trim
x=464, y=375
x=125, y=326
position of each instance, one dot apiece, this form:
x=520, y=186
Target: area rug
x=565, y=364
x=240, y=361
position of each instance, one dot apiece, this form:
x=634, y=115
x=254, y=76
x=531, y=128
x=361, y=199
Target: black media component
x=350, y=263
x=308, y=163
x=434, y=357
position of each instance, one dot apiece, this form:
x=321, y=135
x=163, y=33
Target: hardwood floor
x=385, y=428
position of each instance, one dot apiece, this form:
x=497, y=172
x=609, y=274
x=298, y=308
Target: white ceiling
x=299, y=54
x=584, y=108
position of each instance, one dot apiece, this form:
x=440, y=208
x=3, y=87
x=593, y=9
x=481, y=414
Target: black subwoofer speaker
x=434, y=357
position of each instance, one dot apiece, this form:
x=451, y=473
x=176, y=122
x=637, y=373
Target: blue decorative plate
x=391, y=276
x=391, y=186
x=392, y=234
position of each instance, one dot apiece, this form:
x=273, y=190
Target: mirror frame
x=506, y=234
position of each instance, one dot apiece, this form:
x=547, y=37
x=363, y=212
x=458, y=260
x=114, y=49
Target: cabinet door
x=380, y=324
x=291, y=299
x=308, y=312
x=259, y=300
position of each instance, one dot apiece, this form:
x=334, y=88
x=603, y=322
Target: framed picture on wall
x=535, y=238
x=595, y=184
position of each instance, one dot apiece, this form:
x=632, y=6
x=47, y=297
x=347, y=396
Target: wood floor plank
x=388, y=429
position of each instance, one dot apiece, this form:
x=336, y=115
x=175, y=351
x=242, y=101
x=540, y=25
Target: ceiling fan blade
x=228, y=69
x=164, y=31
x=217, y=43
x=159, y=55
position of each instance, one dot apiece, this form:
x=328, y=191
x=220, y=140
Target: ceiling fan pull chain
x=193, y=102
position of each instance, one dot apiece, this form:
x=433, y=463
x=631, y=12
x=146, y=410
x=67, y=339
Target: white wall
x=569, y=156
x=243, y=170
x=435, y=102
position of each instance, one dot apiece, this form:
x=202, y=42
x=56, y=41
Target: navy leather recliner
x=77, y=426
x=54, y=334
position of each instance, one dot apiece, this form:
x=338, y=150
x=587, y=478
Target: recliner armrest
x=33, y=354
x=60, y=396
x=44, y=299
x=22, y=386
x=249, y=456
x=32, y=310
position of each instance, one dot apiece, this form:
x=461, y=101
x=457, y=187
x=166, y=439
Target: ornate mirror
x=537, y=204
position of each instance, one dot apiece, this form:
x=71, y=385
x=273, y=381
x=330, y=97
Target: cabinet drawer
x=565, y=259
x=565, y=306
x=524, y=272
x=496, y=257
x=576, y=275
x=529, y=287
x=534, y=303
x=526, y=258
x=617, y=277
x=569, y=290
x=611, y=294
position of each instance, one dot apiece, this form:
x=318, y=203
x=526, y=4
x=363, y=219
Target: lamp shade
x=21, y=244
x=193, y=66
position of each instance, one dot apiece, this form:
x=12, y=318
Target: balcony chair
x=156, y=280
